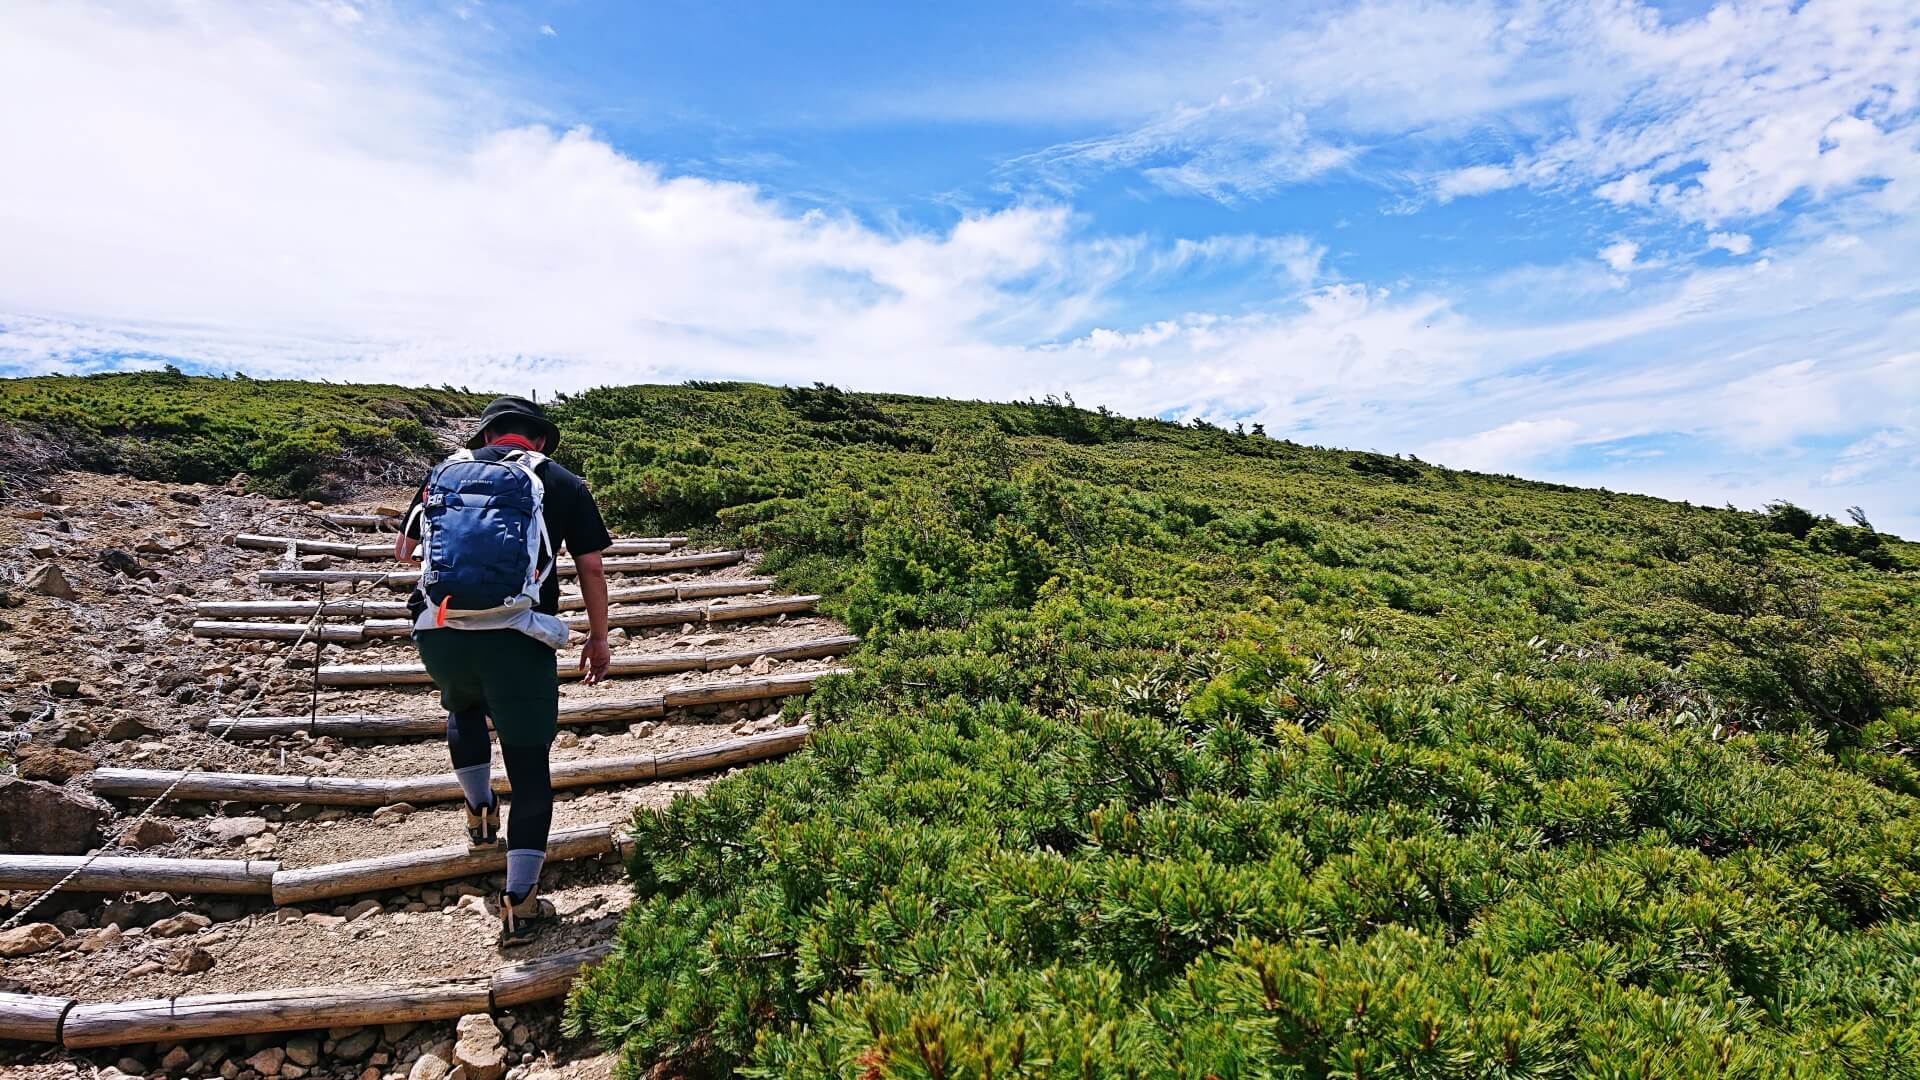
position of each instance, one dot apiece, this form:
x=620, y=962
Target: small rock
x=363, y=909
x=473, y=904
x=316, y=562
x=643, y=729
x=176, y=1060
x=267, y=1062
x=71, y=921
x=428, y=1067
x=97, y=940
x=190, y=961
x=479, y=1050
x=184, y=498
x=47, y=580
x=148, y=833
x=762, y=665
x=64, y=686
x=355, y=1046
x=30, y=939
x=141, y=971
x=51, y=497
x=303, y=1051
x=566, y=739
x=187, y=922
x=324, y=921
x=153, y=547
x=120, y=562
x=389, y=814
x=43, y=819
x=36, y=762
x=227, y=830
x=229, y=1070
x=132, y=1066
x=126, y=728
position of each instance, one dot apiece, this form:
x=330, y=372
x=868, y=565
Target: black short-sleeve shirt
x=573, y=523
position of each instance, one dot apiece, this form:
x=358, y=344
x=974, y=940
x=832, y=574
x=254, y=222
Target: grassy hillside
x=1177, y=751
x=291, y=438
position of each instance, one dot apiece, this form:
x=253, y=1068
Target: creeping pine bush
x=290, y=438
x=1180, y=751
x=1175, y=751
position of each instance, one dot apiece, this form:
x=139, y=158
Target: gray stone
x=38, y=818
x=267, y=1062
x=227, y=830
x=304, y=1051
x=355, y=1046
x=428, y=1067
x=190, y=961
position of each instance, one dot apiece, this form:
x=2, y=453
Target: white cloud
x=1511, y=447
x=1732, y=243
x=548, y=31
x=1473, y=180
x=1620, y=255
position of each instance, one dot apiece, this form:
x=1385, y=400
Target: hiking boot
x=521, y=920
x=483, y=825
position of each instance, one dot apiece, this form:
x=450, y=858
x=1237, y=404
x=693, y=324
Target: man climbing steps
x=489, y=522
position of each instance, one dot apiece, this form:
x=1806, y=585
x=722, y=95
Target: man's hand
x=403, y=546
x=592, y=574
x=595, y=658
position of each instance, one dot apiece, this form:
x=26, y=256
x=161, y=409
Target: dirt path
x=112, y=676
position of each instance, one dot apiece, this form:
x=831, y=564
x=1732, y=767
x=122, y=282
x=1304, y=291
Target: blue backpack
x=483, y=537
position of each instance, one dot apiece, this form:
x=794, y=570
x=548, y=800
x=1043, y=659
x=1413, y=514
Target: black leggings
x=470, y=744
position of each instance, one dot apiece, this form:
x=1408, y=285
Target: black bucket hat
x=517, y=407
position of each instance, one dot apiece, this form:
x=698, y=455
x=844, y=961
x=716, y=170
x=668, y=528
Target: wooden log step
x=338, y=675
x=407, y=579
x=397, y=609
x=33, y=1017
x=376, y=791
x=398, y=871
x=348, y=550
x=202, y=1016
x=375, y=522
x=116, y=873
x=375, y=630
x=571, y=712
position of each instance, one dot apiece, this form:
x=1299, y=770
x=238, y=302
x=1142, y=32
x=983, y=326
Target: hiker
x=487, y=526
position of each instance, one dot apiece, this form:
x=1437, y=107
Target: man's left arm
x=587, y=537
x=596, y=655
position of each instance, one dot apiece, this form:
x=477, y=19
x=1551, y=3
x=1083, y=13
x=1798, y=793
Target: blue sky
x=1660, y=248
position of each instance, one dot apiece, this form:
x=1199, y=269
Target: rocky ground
x=97, y=667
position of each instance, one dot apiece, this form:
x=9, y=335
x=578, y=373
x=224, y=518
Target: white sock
x=477, y=782
x=523, y=870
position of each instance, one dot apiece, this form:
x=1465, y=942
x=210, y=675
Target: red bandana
x=515, y=442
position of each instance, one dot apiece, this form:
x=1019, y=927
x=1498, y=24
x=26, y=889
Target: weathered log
x=397, y=609
x=249, y=787
x=330, y=577
x=368, y=791
x=260, y=631
x=202, y=1016
x=700, y=590
x=638, y=547
x=660, y=616
x=756, y=689
x=630, y=664
x=115, y=873
x=760, y=609
x=543, y=978
x=300, y=609
x=300, y=546
x=699, y=759
x=396, y=726
x=407, y=579
x=376, y=522
x=307, y=883
x=36, y=1017
x=816, y=649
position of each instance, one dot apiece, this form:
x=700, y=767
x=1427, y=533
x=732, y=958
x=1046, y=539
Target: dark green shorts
x=503, y=671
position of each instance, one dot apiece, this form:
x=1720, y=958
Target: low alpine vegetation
x=1183, y=751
